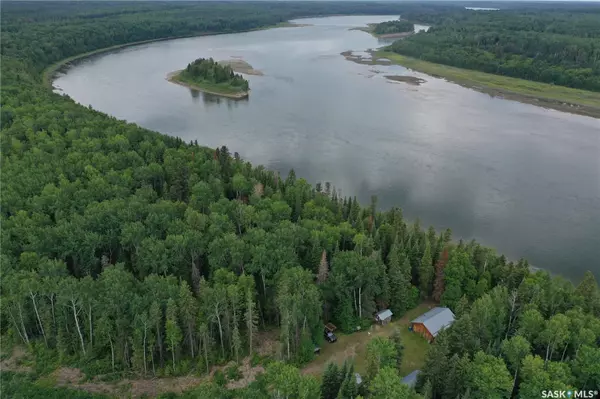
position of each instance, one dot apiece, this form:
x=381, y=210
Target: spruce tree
x=399, y=286
x=331, y=382
x=348, y=389
x=397, y=339
x=426, y=272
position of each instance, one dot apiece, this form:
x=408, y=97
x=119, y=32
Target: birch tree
x=172, y=329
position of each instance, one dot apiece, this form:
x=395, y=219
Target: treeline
x=128, y=251
x=398, y=26
x=553, y=46
x=37, y=32
x=522, y=337
x=207, y=70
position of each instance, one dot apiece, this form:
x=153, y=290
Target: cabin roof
x=384, y=314
x=411, y=379
x=358, y=378
x=436, y=320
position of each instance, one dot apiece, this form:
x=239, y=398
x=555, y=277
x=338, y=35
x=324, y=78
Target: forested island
x=212, y=77
x=393, y=27
x=134, y=263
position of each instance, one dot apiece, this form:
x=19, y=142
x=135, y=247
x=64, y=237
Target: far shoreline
x=172, y=77
x=397, y=35
x=49, y=74
x=559, y=98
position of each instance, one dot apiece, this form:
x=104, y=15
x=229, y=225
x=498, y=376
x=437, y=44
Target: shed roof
x=358, y=378
x=384, y=314
x=436, y=319
x=411, y=379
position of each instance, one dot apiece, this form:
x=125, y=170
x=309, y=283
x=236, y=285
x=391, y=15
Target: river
x=520, y=178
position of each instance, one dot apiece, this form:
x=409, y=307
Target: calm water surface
x=520, y=178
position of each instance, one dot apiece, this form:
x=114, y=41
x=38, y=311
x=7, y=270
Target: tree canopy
x=551, y=45
x=128, y=251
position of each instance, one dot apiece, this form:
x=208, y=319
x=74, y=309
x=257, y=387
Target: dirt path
x=13, y=362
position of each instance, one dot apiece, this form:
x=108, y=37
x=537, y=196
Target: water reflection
x=209, y=99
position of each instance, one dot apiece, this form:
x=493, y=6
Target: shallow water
x=523, y=179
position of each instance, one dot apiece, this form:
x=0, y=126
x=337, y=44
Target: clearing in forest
x=354, y=346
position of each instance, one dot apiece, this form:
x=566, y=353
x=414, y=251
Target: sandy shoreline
x=171, y=77
x=240, y=66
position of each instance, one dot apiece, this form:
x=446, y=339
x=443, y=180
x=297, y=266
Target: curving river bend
x=523, y=179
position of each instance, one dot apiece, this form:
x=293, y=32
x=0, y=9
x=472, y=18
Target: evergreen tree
x=436, y=364
x=438, y=284
x=426, y=272
x=456, y=376
x=348, y=389
x=399, y=345
x=400, y=288
x=331, y=382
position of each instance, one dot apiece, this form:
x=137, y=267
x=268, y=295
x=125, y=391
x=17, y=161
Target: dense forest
x=551, y=45
x=129, y=252
x=205, y=70
x=398, y=26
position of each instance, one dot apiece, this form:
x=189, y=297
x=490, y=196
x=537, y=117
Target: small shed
x=411, y=379
x=358, y=378
x=429, y=324
x=384, y=316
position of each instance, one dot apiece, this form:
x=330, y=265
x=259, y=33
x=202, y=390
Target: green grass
x=353, y=346
x=497, y=84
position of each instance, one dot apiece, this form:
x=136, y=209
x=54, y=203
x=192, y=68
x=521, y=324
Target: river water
x=520, y=178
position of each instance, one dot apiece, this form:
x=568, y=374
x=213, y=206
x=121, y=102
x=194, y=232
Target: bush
x=233, y=373
x=22, y=386
x=219, y=378
x=46, y=360
x=255, y=360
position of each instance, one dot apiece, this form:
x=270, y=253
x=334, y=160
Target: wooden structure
x=429, y=324
x=383, y=317
x=330, y=327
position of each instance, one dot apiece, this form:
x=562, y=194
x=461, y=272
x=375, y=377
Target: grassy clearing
x=354, y=346
x=558, y=97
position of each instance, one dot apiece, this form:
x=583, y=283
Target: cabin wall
x=421, y=329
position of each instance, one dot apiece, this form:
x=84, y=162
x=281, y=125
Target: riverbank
x=370, y=29
x=50, y=72
x=565, y=99
x=210, y=88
